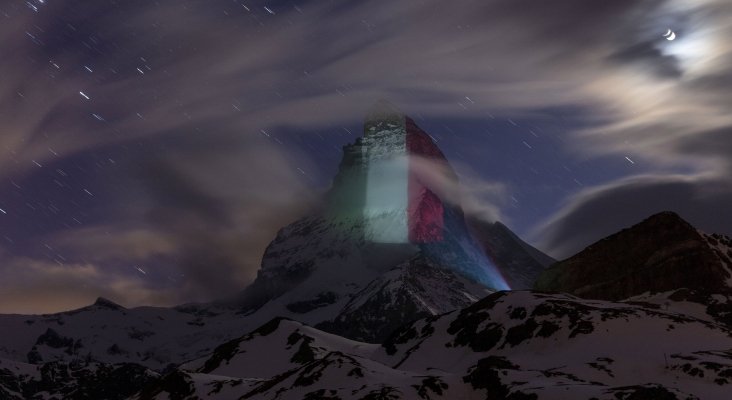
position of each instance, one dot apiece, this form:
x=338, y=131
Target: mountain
x=509, y=345
x=660, y=254
x=389, y=245
x=388, y=229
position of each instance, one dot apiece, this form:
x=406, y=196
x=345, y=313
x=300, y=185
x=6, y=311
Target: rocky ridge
x=660, y=254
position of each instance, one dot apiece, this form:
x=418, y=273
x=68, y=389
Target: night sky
x=149, y=150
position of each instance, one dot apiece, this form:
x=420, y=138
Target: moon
x=670, y=35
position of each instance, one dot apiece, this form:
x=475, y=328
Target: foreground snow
x=510, y=345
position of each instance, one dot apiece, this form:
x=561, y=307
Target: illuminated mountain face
x=399, y=206
x=391, y=192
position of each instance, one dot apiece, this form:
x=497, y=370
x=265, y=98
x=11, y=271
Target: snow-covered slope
x=105, y=332
x=713, y=307
x=71, y=381
x=413, y=289
x=510, y=345
x=158, y=337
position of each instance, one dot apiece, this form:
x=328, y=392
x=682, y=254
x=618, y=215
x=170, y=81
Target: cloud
x=510, y=57
x=104, y=243
x=221, y=212
x=202, y=232
x=648, y=53
x=280, y=71
x=478, y=197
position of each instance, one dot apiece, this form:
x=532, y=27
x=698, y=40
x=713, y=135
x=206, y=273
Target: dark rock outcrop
x=662, y=253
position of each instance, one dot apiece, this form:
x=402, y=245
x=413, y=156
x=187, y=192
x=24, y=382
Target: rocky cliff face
x=413, y=289
x=660, y=254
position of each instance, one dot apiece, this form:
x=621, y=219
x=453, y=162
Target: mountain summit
x=391, y=217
